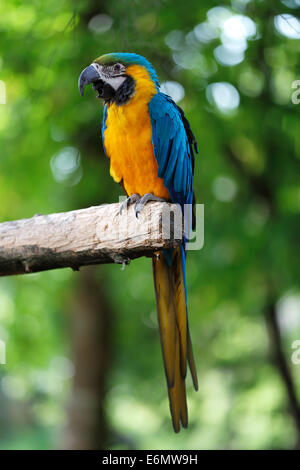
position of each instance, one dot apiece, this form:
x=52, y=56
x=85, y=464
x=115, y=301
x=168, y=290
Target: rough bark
x=90, y=324
x=83, y=237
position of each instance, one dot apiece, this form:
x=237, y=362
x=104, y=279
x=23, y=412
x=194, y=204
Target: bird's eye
x=117, y=67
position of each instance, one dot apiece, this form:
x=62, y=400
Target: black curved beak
x=87, y=76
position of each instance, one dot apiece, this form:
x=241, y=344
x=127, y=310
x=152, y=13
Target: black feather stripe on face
x=125, y=92
x=120, y=96
x=105, y=91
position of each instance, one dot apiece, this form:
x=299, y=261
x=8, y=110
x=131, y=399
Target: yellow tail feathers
x=174, y=332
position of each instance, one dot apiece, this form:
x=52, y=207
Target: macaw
x=150, y=145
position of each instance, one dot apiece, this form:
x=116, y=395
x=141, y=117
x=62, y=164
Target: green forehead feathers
x=128, y=59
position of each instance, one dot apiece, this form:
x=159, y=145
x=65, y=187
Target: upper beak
x=87, y=76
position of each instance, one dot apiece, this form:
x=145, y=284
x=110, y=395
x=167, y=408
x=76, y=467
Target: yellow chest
x=128, y=142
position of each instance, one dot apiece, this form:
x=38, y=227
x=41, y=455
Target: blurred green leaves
x=236, y=63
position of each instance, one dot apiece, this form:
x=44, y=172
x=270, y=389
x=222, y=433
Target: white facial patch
x=114, y=82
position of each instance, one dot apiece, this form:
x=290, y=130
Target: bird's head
x=115, y=76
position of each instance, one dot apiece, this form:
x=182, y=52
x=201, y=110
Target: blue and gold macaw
x=150, y=145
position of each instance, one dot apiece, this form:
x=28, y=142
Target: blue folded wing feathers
x=104, y=126
x=171, y=148
x=174, y=156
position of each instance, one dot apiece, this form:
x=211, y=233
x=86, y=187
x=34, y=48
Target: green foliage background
x=247, y=175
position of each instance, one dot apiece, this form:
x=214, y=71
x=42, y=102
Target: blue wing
x=173, y=143
x=172, y=149
x=104, y=124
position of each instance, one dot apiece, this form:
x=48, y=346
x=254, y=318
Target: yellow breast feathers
x=128, y=143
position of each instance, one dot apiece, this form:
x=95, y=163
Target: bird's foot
x=140, y=204
x=120, y=259
x=130, y=200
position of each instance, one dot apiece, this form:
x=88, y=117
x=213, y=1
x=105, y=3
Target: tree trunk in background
x=91, y=324
x=283, y=367
x=90, y=335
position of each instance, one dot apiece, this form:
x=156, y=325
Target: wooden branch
x=83, y=237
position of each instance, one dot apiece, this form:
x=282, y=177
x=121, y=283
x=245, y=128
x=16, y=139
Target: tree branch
x=84, y=237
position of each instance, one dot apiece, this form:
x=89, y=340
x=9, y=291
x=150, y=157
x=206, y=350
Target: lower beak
x=87, y=76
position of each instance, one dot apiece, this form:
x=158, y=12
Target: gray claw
x=130, y=200
x=120, y=259
x=140, y=204
x=137, y=210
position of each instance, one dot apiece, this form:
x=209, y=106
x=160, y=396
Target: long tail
x=170, y=290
